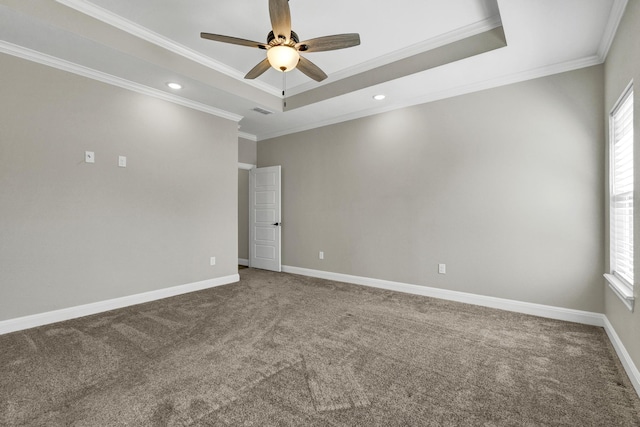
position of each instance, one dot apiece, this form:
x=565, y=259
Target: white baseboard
x=577, y=316
x=32, y=321
x=548, y=311
x=584, y=317
x=242, y=261
x=623, y=355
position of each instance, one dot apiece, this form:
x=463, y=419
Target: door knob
x=277, y=223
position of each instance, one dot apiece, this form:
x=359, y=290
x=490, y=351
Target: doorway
x=243, y=214
x=259, y=217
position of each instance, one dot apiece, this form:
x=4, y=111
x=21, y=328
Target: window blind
x=621, y=124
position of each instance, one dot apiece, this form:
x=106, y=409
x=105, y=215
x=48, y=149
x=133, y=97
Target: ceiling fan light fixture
x=283, y=45
x=283, y=58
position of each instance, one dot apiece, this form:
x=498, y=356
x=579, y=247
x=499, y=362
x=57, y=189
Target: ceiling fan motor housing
x=271, y=39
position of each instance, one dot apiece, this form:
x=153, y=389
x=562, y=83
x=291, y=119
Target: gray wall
x=247, y=151
x=504, y=186
x=622, y=66
x=73, y=233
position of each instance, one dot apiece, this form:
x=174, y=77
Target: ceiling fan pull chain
x=284, y=87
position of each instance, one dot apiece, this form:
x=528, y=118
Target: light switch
x=122, y=161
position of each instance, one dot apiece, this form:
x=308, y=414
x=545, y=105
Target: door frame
x=244, y=193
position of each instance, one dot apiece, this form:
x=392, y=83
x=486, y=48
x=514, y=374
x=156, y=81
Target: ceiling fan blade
x=232, y=40
x=311, y=69
x=280, y=18
x=338, y=41
x=258, y=69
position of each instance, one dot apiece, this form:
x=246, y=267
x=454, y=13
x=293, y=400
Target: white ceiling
x=144, y=44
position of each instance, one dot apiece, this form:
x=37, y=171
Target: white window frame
x=621, y=276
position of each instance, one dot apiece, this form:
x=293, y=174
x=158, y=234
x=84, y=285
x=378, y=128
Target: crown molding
x=248, y=136
x=61, y=64
x=617, y=12
x=117, y=21
x=447, y=93
x=415, y=49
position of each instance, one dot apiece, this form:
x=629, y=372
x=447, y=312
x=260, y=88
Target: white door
x=264, y=218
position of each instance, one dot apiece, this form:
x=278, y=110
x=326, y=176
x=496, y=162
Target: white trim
x=32, y=321
x=623, y=355
x=249, y=136
x=626, y=92
x=61, y=64
x=446, y=93
x=595, y=319
x=246, y=166
x=551, y=312
x=617, y=12
x=146, y=34
x=424, y=46
x=621, y=290
x=619, y=287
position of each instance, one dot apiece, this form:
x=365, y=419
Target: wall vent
x=262, y=111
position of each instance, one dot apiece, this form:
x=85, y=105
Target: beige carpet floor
x=286, y=350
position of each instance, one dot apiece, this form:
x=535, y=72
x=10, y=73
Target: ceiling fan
x=283, y=45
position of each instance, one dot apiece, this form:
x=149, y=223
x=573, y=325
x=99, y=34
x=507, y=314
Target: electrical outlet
x=122, y=161
x=212, y=261
x=442, y=268
x=321, y=255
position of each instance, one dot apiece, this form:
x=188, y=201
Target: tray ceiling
x=412, y=51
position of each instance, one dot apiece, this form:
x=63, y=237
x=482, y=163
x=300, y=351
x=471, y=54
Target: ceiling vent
x=262, y=111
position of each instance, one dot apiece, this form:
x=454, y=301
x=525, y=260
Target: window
x=621, y=197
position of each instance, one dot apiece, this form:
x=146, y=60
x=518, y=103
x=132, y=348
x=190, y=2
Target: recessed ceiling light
x=379, y=97
x=175, y=86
